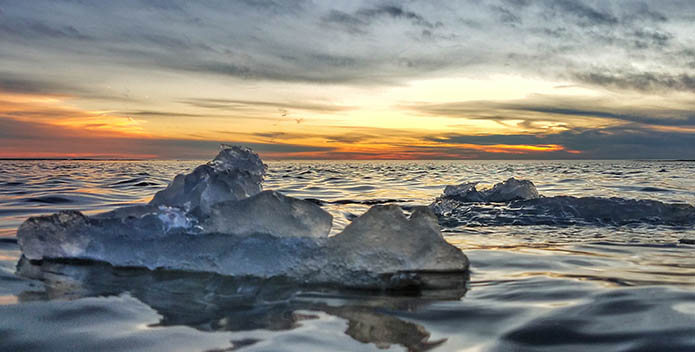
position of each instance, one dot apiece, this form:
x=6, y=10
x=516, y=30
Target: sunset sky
x=507, y=79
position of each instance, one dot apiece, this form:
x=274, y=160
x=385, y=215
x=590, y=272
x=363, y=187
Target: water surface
x=533, y=287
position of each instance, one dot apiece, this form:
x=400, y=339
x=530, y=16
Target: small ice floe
x=517, y=202
x=218, y=219
x=511, y=189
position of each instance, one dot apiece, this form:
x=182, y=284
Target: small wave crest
x=48, y=200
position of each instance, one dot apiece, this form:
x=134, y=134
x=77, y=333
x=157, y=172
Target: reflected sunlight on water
x=532, y=287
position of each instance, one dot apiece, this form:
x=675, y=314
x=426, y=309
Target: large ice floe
x=217, y=219
x=517, y=202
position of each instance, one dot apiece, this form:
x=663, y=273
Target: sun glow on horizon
x=365, y=124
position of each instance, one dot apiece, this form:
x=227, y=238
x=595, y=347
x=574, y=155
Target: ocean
x=536, y=284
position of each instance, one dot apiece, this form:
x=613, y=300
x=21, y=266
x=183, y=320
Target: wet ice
x=217, y=219
x=517, y=202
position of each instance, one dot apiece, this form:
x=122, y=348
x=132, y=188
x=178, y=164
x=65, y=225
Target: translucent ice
x=268, y=212
x=465, y=192
x=235, y=173
x=216, y=219
x=381, y=249
x=458, y=206
x=511, y=189
x=383, y=240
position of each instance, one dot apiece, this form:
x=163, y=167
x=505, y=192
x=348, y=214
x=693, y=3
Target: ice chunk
x=380, y=249
x=384, y=240
x=216, y=219
x=524, y=206
x=465, y=192
x=53, y=236
x=509, y=190
x=269, y=212
x=235, y=173
x=563, y=210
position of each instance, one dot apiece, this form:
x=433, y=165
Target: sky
x=505, y=79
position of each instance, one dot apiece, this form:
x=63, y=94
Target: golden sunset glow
x=367, y=84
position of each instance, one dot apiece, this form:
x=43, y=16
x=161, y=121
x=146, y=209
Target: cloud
x=14, y=29
x=585, y=14
x=639, y=81
x=358, y=21
x=563, y=109
x=626, y=142
x=234, y=104
x=36, y=140
x=266, y=40
x=16, y=84
x=139, y=58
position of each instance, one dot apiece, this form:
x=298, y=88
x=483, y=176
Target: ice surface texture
x=235, y=173
x=511, y=189
x=268, y=212
x=522, y=205
x=382, y=249
x=216, y=219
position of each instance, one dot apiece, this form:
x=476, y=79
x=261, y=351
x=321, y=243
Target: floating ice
x=511, y=189
x=235, y=173
x=381, y=249
x=383, y=240
x=465, y=192
x=523, y=206
x=216, y=219
x=268, y=212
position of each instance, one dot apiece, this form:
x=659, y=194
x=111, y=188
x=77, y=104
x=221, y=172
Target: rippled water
x=533, y=287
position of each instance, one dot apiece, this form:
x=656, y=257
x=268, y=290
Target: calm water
x=533, y=287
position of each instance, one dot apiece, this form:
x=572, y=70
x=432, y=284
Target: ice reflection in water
x=214, y=303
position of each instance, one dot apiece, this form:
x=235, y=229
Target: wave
x=357, y=201
x=49, y=200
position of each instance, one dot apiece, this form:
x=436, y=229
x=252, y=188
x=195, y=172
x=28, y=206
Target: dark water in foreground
x=533, y=287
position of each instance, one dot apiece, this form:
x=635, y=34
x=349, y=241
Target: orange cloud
x=512, y=148
x=423, y=150
x=64, y=130
x=54, y=110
